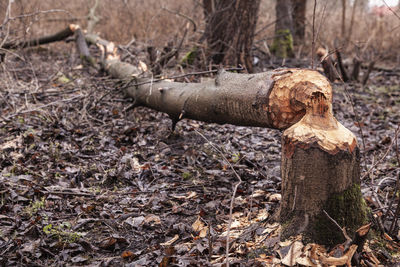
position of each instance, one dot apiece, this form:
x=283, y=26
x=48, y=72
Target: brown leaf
x=127, y=254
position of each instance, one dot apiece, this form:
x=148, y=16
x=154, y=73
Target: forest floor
x=84, y=181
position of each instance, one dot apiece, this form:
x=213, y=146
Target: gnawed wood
x=320, y=171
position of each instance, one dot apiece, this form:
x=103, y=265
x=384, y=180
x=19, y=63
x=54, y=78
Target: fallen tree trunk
x=59, y=36
x=274, y=99
x=271, y=99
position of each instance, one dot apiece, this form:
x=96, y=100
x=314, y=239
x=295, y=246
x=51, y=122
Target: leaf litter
x=85, y=182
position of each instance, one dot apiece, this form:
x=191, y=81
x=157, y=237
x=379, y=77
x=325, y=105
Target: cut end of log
x=292, y=91
x=318, y=128
x=73, y=27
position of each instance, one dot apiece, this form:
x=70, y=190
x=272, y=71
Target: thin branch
x=343, y=230
x=355, y=116
x=313, y=36
x=33, y=14
x=6, y=19
x=233, y=194
x=42, y=106
x=397, y=15
x=183, y=16
x=384, y=155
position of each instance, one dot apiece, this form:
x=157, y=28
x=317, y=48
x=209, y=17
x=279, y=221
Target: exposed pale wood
x=319, y=126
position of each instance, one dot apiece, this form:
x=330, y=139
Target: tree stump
x=320, y=172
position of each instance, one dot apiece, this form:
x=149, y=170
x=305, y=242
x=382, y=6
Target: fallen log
x=59, y=36
x=274, y=99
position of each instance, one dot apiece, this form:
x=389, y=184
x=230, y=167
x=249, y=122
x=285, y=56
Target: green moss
x=282, y=46
x=348, y=209
x=190, y=57
x=186, y=175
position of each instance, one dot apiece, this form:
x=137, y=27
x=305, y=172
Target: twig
x=6, y=19
x=92, y=18
x=183, y=16
x=42, y=106
x=313, y=35
x=32, y=14
x=233, y=194
x=70, y=193
x=397, y=188
x=355, y=116
x=210, y=246
x=397, y=15
x=343, y=230
x=384, y=155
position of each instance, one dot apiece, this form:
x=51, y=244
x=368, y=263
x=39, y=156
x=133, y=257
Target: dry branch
x=59, y=36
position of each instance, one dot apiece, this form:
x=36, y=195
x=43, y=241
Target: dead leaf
x=199, y=226
x=294, y=252
x=127, y=254
x=151, y=218
x=275, y=197
x=345, y=259
x=171, y=241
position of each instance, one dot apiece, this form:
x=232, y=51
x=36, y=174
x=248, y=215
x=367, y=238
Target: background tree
x=282, y=45
x=299, y=20
x=230, y=27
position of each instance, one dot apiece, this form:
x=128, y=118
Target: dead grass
x=147, y=21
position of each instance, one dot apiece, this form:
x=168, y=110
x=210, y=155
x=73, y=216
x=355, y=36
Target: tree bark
x=282, y=45
x=343, y=18
x=299, y=20
x=230, y=27
x=320, y=172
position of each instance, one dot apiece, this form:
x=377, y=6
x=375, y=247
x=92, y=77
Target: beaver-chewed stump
x=320, y=172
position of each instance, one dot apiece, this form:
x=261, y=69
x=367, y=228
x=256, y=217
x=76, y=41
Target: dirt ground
x=86, y=182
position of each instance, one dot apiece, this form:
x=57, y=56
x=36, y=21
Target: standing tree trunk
x=320, y=177
x=299, y=20
x=282, y=45
x=343, y=18
x=230, y=26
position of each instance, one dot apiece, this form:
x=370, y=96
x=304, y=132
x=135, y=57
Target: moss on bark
x=346, y=208
x=282, y=46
